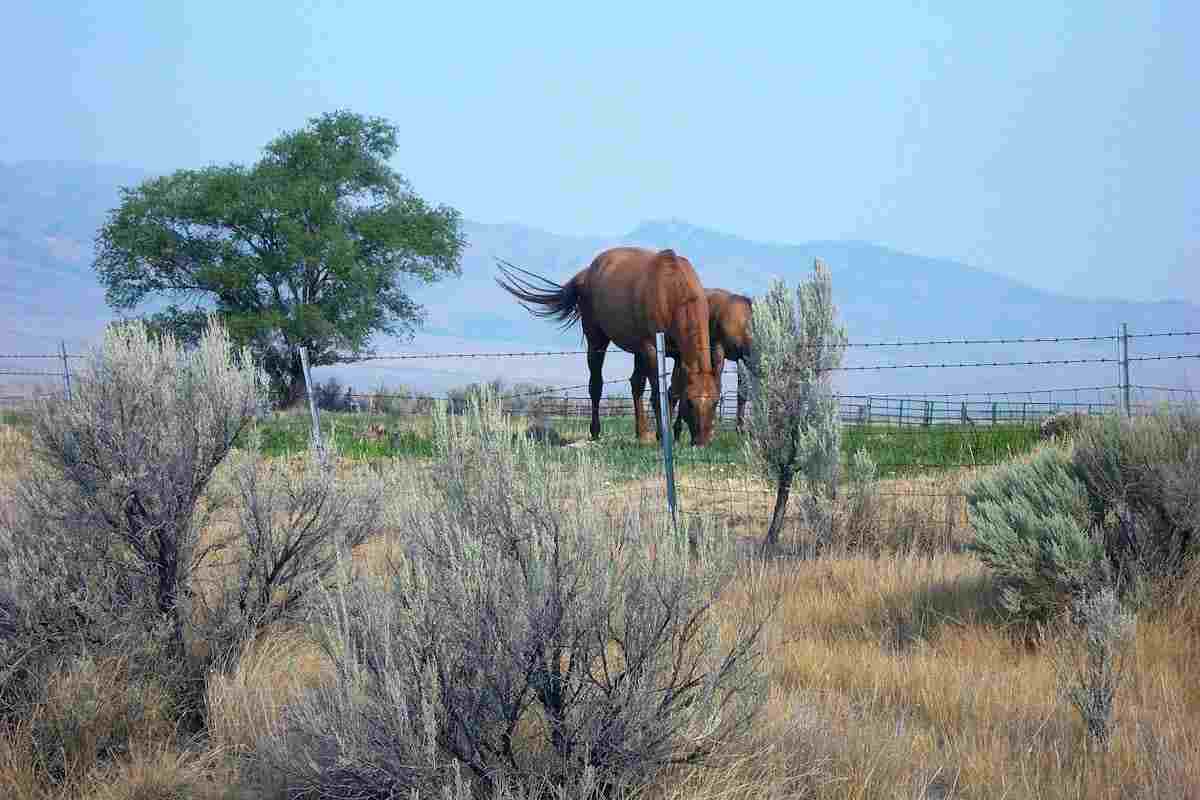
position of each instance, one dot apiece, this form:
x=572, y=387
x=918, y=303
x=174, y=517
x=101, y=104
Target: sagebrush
x=108, y=551
x=1120, y=506
x=793, y=427
x=523, y=636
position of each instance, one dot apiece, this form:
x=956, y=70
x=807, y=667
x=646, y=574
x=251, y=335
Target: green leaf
x=309, y=246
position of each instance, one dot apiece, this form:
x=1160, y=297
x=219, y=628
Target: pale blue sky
x=1056, y=143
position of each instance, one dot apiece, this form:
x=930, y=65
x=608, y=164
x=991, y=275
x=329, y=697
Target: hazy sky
x=1056, y=143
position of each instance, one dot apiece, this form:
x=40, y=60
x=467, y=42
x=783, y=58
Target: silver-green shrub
x=1031, y=529
x=1092, y=662
x=293, y=522
x=527, y=635
x=119, y=471
x=108, y=538
x=792, y=423
x=1143, y=483
x=1122, y=507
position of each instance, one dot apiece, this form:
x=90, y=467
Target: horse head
x=702, y=392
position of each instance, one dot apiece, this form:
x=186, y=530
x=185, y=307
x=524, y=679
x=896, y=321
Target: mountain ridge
x=50, y=211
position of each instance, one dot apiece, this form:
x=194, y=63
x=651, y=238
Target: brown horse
x=624, y=297
x=729, y=334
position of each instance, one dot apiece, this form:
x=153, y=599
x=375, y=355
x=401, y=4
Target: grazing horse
x=625, y=297
x=729, y=335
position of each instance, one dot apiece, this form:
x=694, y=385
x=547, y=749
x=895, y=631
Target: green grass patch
x=620, y=450
x=897, y=451
x=900, y=451
x=20, y=419
x=291, y=434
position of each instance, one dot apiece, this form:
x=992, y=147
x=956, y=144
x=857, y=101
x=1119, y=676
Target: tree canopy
x=311, y=246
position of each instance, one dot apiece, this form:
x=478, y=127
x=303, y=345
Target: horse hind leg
x=595, y=358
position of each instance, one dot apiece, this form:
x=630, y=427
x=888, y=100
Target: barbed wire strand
x=541, y=353
x=31, y=373
x=1046, y=362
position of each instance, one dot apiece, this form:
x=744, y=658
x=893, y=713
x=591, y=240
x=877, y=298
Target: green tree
x=311, y=246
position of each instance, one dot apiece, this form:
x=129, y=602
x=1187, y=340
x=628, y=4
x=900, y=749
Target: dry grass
x=14, y=450
x=161, y=772
x=245, y=703
x=925, y=515
x=891, y=677
x=96, y=720
x=915, y=681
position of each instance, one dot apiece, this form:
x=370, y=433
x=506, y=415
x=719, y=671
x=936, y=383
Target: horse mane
x=685, y=315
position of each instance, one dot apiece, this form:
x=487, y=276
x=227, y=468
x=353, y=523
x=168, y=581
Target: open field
x=891, y=672
x=896, y=450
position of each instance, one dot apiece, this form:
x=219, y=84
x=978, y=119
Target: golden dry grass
x=915, y=680
x=247, y=702
x=14, y=450
x=890, y=677
x=924, y=514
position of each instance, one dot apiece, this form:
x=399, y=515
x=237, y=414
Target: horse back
x=729, y=318
x=633, y=292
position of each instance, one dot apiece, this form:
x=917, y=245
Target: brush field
x=891, y=672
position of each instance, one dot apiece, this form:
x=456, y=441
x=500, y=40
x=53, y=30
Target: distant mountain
x=49, y=213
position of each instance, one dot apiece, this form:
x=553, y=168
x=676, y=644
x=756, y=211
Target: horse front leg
x=638, y=385
x=650, y=369
x=675, y=395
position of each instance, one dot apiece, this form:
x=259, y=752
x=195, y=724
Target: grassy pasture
x=898, y=451
x=891, y=674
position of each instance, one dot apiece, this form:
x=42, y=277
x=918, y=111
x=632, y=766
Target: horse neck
x=691, y=335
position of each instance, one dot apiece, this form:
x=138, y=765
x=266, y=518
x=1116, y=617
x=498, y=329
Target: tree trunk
x=782, y=493
x=294, y=388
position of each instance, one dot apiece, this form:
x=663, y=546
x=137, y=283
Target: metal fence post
x=1125, y=366
x=312, y=406
x=66, y=370
x=665, y=425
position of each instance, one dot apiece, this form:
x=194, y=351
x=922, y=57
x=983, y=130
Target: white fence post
x=318, y=444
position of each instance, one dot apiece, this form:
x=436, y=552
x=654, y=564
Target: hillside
x=49, y=213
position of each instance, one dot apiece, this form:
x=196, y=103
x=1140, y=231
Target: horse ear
x=668, y=253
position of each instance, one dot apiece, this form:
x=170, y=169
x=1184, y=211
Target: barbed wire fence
x=925, y=445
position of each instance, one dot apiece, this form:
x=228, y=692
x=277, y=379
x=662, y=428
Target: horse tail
x=558, y=302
